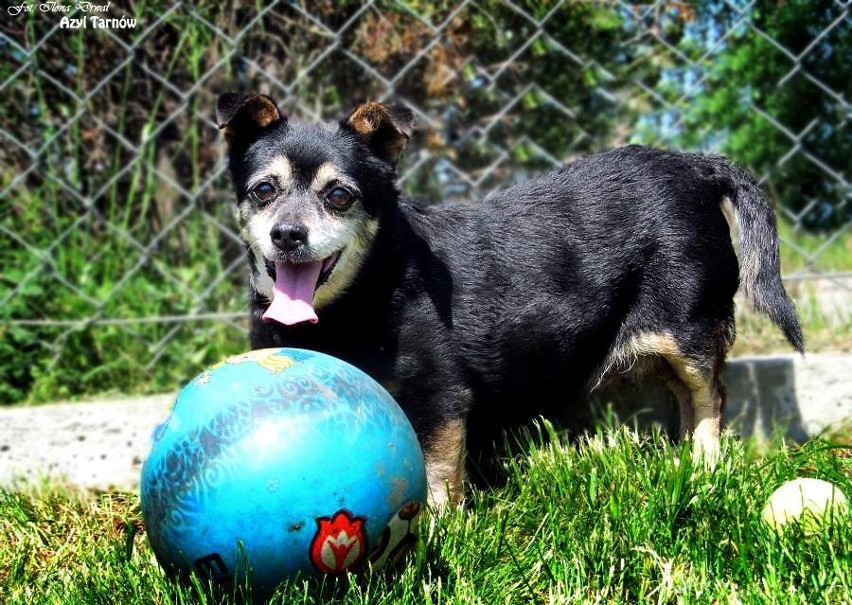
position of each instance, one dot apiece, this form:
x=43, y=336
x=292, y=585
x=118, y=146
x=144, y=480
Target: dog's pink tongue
x=293, y=293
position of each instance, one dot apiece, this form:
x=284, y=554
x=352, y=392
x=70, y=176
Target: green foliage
x=773, y=96
x=614, y=519
x=97, y=231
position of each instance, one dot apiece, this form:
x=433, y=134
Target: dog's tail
x=760, y=271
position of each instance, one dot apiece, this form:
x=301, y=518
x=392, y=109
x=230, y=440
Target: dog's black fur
x=489, y=313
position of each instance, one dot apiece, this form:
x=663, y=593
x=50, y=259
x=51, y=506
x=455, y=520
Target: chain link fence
x=122, y=268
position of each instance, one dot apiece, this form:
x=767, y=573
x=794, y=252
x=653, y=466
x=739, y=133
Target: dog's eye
x=339, y=198
x=263, y=192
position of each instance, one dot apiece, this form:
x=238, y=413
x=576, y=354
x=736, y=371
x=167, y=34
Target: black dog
x=478, y=316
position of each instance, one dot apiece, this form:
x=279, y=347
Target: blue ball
x=282, y=463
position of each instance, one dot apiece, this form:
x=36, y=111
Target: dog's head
x=310, y=196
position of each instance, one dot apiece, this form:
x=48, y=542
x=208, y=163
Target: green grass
x=822, y=252
x=615, y=519
x=827, y=329
x=824, y=306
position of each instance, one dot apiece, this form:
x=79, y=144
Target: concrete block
x=799, y=396
x=802, y=395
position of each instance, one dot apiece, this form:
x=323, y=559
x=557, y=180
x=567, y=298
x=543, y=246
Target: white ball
x=812, y=502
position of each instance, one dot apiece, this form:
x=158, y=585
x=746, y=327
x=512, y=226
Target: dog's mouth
x=294, y=287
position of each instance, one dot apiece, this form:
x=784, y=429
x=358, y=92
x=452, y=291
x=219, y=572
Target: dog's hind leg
x=684, y=401
x=701, y=396
x=445, y=452
x=695, y=381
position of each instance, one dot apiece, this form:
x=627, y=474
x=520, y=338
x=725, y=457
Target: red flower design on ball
x=339, y=543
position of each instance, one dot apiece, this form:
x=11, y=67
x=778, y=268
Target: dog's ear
x=385, y=128
x=239, y=115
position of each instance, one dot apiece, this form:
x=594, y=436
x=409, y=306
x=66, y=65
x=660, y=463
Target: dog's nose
x=289, y=236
